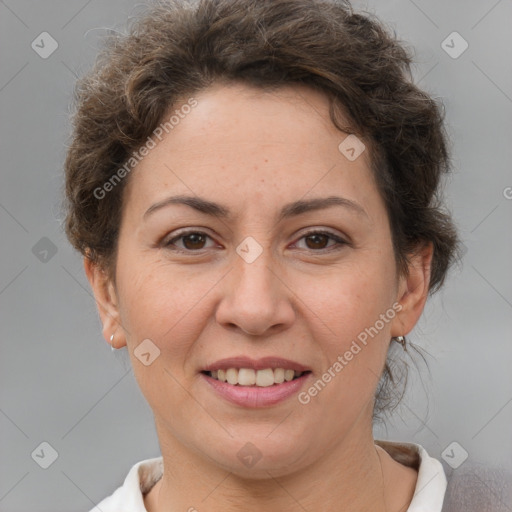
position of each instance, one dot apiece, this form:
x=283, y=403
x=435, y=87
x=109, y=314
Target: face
x=271, y=270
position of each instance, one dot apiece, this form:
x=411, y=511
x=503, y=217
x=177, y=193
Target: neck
x=349, y=476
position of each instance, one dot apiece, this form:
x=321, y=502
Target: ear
x=413, y=290
x=106, y=302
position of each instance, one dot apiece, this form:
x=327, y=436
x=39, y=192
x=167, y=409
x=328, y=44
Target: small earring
x=111, y=344
x=401, y=340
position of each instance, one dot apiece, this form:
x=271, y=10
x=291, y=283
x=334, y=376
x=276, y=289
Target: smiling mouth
x=258, y=378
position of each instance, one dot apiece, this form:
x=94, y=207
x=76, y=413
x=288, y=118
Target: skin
x=302, y=299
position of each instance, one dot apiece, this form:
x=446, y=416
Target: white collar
x=431, y=484
x=428, y=495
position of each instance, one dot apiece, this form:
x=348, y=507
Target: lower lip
x=254, y=396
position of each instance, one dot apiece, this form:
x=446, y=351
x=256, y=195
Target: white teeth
x=250, y=377
x=279, y=375
x=247, y=377
x=232, y=376
x=265, y=378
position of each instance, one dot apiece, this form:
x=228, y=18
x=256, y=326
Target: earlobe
x=106, y=301
x=413, y=290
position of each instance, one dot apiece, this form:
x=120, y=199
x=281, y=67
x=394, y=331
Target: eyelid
x=339, y=240
x=167, y=242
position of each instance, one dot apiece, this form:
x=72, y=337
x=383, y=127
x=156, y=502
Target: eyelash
x=339, y=241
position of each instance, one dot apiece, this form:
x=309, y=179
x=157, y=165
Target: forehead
x=240, y=144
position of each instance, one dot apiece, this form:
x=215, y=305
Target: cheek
x=350, y=300
x=160, y=302
x=344, y=315
x=164, y=305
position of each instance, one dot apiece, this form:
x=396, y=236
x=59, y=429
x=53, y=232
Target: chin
x=256, y=457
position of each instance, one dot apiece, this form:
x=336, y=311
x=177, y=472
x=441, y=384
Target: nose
x=256, y=298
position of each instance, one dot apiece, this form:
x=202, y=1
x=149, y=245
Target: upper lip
x=255, y=364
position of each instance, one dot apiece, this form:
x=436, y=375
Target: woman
x=254, y=186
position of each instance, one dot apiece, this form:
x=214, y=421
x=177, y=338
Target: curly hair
x=177, y=48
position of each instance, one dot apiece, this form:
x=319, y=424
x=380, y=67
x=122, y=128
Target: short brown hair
x=177, y=48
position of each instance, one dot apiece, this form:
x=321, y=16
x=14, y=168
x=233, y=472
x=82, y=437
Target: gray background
x=61, y=384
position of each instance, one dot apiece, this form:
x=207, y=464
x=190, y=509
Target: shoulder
x=477, y=488
x=130, y=496
x=431, y=480
x=472, y=487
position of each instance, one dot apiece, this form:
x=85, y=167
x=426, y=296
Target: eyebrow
x=289, y=210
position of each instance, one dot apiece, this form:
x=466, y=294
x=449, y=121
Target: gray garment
x=475, y=488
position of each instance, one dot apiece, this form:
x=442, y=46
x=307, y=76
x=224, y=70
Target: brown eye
x=190, y=241
x=320, y=240
x=194, y=241
x=317, y=241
